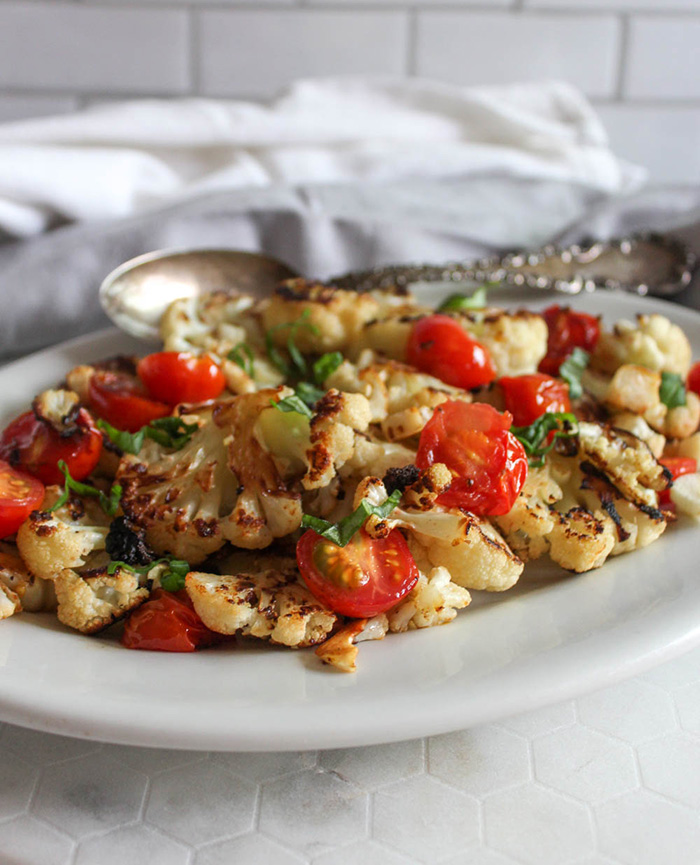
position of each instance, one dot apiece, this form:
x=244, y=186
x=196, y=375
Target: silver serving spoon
x=136, y=294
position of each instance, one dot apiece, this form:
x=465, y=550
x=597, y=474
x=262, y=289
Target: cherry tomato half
x=362, y=579
x=439, y=346
x=694, y=378
x=527, y=397
x=488, y=463
x=177, y=376
x=35, y=446
x=122, y=401
x=677, y=466
x=20, y=494
x=167, y=622
x=567, y=330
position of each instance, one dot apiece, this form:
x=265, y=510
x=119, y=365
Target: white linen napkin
x=121, y=159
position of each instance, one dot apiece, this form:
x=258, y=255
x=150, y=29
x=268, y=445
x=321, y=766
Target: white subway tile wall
x=636, y=59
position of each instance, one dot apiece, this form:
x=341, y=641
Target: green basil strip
x=172, y=580
x=170, y=432
x=242, y=354
x=572, y=369
x=297, y=358
x=293, y=404
x=533, y=438
x=672, y=390
x=326, y=365
x=109, y=504
x=476, y=300
x=341, y=533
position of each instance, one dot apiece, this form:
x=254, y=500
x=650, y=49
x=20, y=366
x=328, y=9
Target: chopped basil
x=170, y=432
x=326, y=365
x=341, y=533
x=309, y=393
x=172, y=580
x=298, y=365
x=293, y=403
x=672, y=390
x=476, y=300
x=109, y=504
x=572, y=369
x=534, y=438
x=242, y=354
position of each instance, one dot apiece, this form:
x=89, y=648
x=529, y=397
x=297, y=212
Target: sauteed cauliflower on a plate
x=323, y=467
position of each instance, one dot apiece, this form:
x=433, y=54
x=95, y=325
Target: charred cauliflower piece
x=49, y=542
x=179, y=496
x=517, y=341
x=92, y=600
x=335, y=316
x=596, y=496
x=653, y=342
x=434, y=600
x=270, y=605
x=223, y=485
x=27, y=591
x=401, y=398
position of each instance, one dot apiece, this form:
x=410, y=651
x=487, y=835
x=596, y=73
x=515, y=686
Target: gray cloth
x=49, y=283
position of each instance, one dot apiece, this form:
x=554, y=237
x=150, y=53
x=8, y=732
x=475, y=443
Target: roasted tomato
x=677, y=466
x=439, y=346
x=123, y=401
x=35, y=446
x=567, y=330
x=527, y=397
x=694, y=378
x=20, y=494
x=362, y=579
x=488, y=463
x=167, y=622
x=177, y=376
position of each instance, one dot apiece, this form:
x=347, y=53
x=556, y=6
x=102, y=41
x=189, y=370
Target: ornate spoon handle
x=652, y=264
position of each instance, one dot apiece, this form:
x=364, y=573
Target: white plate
x=553, y=637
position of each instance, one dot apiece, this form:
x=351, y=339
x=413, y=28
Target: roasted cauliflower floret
x=596, y=496
x=270, y=605
x=334, y=317
x=401, y=398
x=90, y=601
x=340, y=649
x=575, y=538
x=653, y=342
x=65, y=538
x=221, y=486
x=179, y=496
x=30, y=593
x=434, y=600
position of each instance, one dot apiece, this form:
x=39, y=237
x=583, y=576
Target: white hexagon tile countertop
x=611, y=778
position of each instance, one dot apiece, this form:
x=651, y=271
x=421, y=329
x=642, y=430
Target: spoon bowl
x=138, y=292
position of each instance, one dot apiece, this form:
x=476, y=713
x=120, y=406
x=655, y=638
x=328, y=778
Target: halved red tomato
x=568, y=330
x=167, y=622
x=488, y=463
x=677, y=466
x=527, y=397
x=362, y=579
x=178, y=376
x=20, y=494
x=35, y=446
x=439, y=346
x=123, y=401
